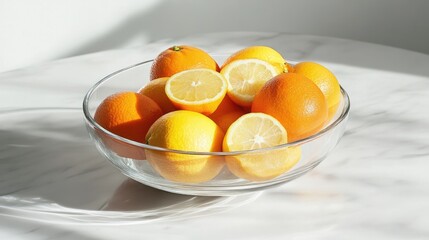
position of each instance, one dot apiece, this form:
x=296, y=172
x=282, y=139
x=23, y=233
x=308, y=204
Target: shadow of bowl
x=51, y=172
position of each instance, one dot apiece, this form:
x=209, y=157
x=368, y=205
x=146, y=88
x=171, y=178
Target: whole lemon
x=187, y=131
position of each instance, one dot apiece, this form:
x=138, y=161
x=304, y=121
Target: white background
x=36, y=31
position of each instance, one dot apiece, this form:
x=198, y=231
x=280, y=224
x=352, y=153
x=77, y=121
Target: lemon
x=264, y=53
x=187, y=131
x=200, y=90
x=245, y=78
x=255, y=131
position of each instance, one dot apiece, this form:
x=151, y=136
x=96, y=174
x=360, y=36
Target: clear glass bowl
x=130, y=157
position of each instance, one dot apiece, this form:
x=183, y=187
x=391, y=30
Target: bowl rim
x=91, y=121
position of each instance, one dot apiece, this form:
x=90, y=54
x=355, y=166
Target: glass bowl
x=145, y=163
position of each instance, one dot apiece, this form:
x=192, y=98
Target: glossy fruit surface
x=155, y=90
x=186, y=131
x=325, y=80
x=180, y=58
x=128, y=115
x=296, y=102
x=226, y=113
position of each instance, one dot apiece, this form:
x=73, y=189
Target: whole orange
x=296, y=102
x=128, y=114
x=325, y=80
x=155, y=89
x=180, y=58
x=227, y=105
x=226, y=113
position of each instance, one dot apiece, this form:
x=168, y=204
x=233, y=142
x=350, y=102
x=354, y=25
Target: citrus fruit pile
x=255, y=100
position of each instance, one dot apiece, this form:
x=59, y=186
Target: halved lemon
x=264, y=53
x=256, y=131
x=199, y=90
x=245, y=78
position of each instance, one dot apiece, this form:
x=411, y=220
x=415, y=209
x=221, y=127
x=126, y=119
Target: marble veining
x=374, y=185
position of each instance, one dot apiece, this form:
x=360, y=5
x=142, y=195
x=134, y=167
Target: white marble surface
x=55, y=185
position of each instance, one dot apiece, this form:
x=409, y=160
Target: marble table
x=374, y=185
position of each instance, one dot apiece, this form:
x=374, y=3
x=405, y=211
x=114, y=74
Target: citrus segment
x=199, y=90
x=245, y=78
x=255, y=131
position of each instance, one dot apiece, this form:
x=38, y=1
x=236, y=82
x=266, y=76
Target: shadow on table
x=134, y=196
x=52, y=172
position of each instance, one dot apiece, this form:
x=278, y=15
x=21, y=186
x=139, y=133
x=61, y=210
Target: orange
x=226, y=113
x=296, y=102
x=325, y=80
x=226, y=105
x=226, y=119
x=180, y=58
x=289, y=68
x=155, y=89
x=255, y=131
x=187, y=131
x=128, y=114
x=200, y=90
x=263, y=53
